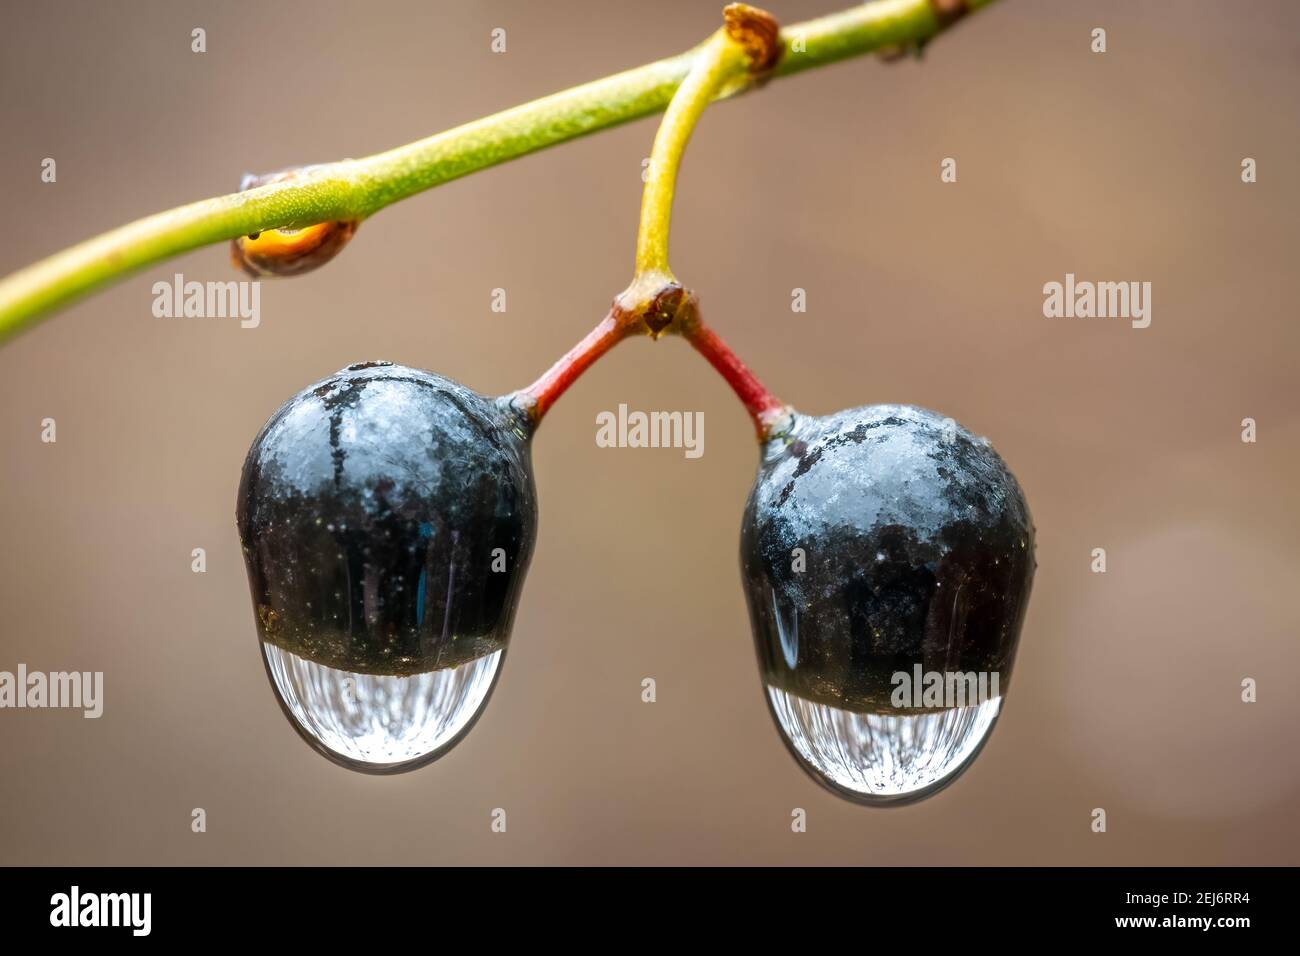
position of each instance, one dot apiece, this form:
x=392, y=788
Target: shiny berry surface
x=917, y=547
x=387, y=517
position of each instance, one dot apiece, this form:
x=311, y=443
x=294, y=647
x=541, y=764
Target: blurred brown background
x=1123, y=166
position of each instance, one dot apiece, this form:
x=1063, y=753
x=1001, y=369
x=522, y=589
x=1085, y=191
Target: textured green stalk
x=354, y=189
x=720, y=60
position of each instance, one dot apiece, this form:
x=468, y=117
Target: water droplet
x=381, y=723
x=883, y=758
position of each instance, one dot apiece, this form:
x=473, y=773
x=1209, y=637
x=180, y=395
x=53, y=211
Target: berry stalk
x=649, y=306
x=736, y=56
x=744, y=51
x=765, y=409
x=536, y=399
x=719, y=60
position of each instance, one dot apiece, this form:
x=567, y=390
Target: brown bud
x=757, y=31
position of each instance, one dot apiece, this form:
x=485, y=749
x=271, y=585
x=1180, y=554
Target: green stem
x=720, y=59
x=355, y=189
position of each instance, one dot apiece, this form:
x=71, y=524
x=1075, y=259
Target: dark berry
x=882, y=541
x=387, y=517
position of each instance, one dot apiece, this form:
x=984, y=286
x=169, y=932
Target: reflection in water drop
x=788, y=634
x=379, y=723
x=883, y=758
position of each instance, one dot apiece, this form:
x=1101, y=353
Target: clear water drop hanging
x=381, y=723
x=882, y=758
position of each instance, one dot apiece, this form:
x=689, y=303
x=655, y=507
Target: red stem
x=544, y=392
x=670, y=307
x=764, y=408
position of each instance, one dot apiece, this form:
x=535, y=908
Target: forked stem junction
x=741, y=53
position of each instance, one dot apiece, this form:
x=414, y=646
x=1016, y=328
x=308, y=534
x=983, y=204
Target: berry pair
x=388, y=515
